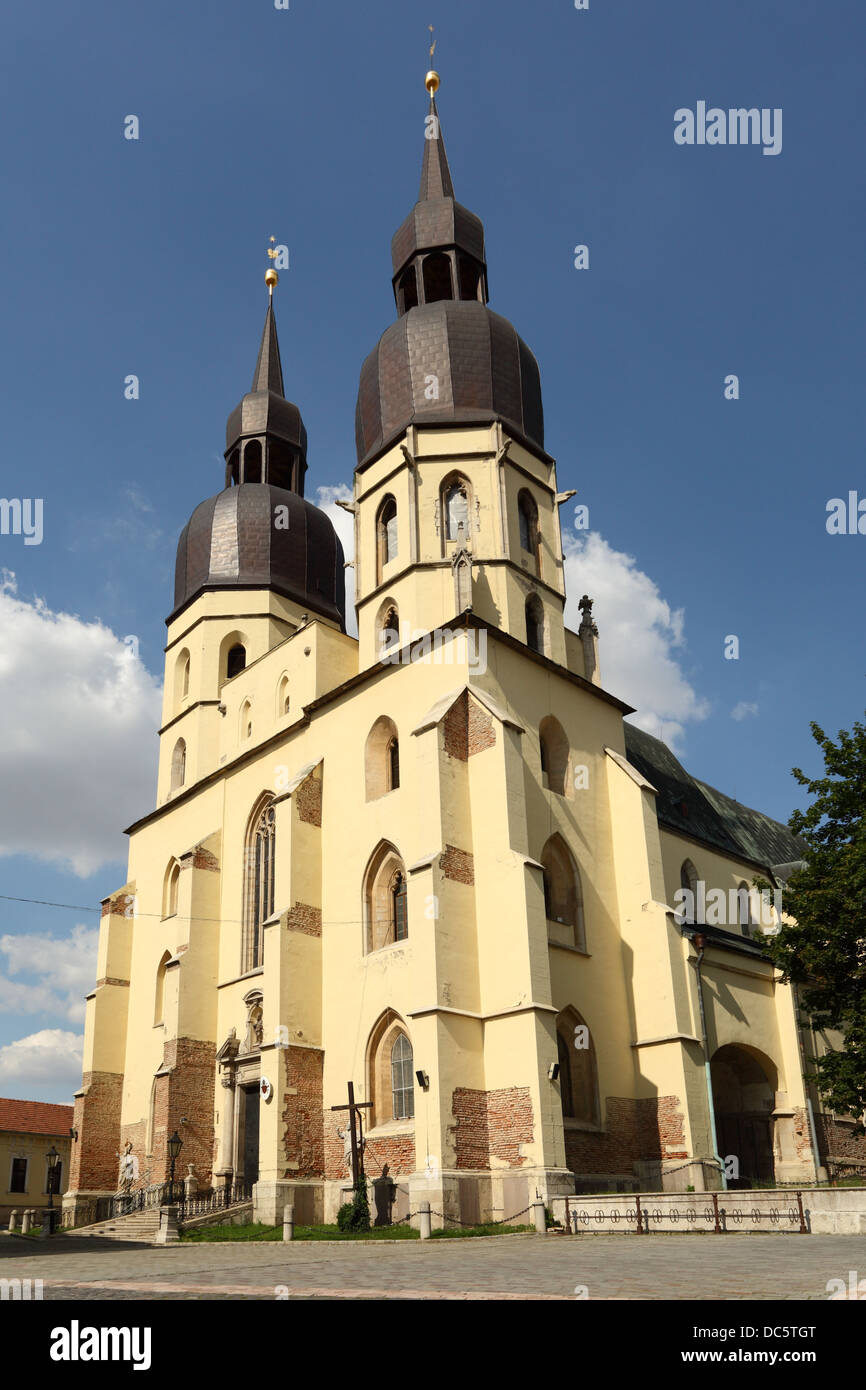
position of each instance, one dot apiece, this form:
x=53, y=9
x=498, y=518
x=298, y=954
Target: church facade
x=434, y=860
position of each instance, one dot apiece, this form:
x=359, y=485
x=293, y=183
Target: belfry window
x=402, y=1080
x=259, y=884
x=527, y=519
x=437, y=278
x=178, y=765
x=386, y=533
x=407, y=291
x=236, y=661
x=253, y=462
x=535, y=624
x=457, y=512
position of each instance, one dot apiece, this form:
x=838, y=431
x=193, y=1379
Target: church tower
x=455, y=497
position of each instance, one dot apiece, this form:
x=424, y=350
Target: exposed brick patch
x=120, y=905
x=836, y=1139
x=93, y=1163
x=111, y=980
x=305, y=919
x=457, y=864
x=396, y=1151
x=491, y=1125
x=635, y=1130
x=203, y=859
x=802, y=1136
x=303, y=1123
x=309, y=798
x=467, y=728
x=184, y=1089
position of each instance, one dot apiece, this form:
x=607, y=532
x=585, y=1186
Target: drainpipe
x=816, y=1156
x=700, y=942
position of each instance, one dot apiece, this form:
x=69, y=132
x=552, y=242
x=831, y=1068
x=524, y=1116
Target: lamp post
x=53, y=1159
x=175, y=1144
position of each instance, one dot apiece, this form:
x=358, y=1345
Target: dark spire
x=435, y=174
x=268, y=375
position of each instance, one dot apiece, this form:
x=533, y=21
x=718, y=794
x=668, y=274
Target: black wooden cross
x=357, y=1155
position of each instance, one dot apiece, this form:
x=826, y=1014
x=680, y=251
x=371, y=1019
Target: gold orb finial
x=271, y=276
x=431, y=81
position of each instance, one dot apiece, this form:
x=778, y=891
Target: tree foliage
x=823, y=950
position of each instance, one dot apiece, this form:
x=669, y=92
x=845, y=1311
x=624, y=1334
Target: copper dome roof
x=483, y=370
x=233, y=540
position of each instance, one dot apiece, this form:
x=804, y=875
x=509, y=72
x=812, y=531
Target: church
x=432, y=861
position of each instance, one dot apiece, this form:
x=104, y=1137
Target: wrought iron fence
x=217, y=1199
x=704, y=1214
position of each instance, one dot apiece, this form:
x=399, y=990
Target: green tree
x=824, y=950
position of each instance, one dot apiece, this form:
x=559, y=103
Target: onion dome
x=260, y=532
x=448, y=358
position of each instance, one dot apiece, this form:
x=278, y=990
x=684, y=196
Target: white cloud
x=743, y=710
x=77, y=751
x=641, y=643
x=51, y=1056
x=344, y=525
x=57, y=971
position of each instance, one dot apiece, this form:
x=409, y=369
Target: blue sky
x=147, y=257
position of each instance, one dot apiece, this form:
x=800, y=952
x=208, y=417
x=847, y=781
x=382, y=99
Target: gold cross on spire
x=431, y=81
x=271, y=276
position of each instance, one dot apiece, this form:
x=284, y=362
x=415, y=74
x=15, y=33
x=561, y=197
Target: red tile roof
x=34, y=1117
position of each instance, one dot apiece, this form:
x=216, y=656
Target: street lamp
x=175, y=1144
x=53, y=1158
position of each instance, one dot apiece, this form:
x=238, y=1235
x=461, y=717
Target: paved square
x=618, y=1267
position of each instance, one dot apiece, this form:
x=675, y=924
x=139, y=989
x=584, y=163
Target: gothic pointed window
x=402, y=1080
x=578, y=1070
x=563, y=895
x=530, y=539
x=386, y=537
x=381, y=759
x=554, y=755
x=385, y=911
x=159, y=993
x=457, y=511
x=388, y=627
x=535, y=624
x=689, y=881
x=178, y=765
x=259, y=883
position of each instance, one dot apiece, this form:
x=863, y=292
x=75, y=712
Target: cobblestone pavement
x=504, y=1267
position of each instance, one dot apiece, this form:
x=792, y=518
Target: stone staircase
x=140, y=1226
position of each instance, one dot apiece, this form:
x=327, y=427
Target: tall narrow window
x=18, y=1179
x=386, y=527
x=394, y=763
x=527, y=517
x=535, y=624
x=178, y=765
x=402, y=1080
x=253, y=462
x=457, y=512
x=578, y=1072
x=689, y=881
x=159, y=992
x=259, y=902
x=399, y=920
x=554, y=755
x=563, y=895
x=170, y=890
x=437, y=278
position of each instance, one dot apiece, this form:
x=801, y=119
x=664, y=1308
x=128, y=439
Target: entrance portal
x=248, y=1135
x=744, y=1099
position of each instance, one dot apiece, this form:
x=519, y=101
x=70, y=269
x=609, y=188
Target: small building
x=28, y=1130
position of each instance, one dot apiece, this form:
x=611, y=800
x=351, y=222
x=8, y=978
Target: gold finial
x=431, y=81
x=271, y=276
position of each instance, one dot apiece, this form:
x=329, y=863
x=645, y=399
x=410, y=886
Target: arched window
x=578, y=1074
x=535, y=624
x=170, y=889
x=388, y=629
x=554, y=756
x=181, y=678
x=744, y=906
x=246, y=720
x=381, y=759
x=159, y=996
x=456, y=505
x=178, y=765
x=386, y=914
x=386, y=533
x=689, y=880
x=232, y=468
x=236, y=660
x=390, y=1071
x=283, y=697
x=407, y=291
x=527, y=516
x=253, y=462
x=563, y=896
x=258, y=882
x=402, y=1080
x=470, y=278
x=437, y=278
